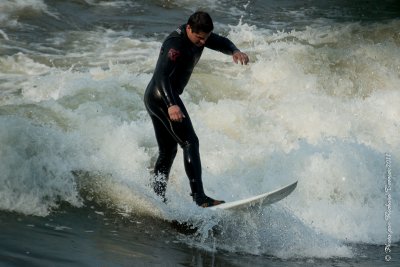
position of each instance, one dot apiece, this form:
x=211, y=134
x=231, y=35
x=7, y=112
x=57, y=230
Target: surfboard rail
x=263, y=199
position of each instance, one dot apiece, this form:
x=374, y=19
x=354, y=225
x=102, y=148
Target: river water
x=318, y=103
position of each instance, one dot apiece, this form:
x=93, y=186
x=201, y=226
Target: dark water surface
x=89, y=237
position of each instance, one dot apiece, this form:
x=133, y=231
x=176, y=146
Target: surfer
x=179, y=54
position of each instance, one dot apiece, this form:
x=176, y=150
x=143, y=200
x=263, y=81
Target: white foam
x=34, y=163
x=118, y=4
x=11, y=10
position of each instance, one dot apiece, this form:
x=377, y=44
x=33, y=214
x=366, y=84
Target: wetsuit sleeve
x=169, y=57
x=220, y=43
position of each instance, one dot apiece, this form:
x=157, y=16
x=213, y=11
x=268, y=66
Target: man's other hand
x=175, y=113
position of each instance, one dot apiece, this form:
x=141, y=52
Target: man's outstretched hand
x=240, y=57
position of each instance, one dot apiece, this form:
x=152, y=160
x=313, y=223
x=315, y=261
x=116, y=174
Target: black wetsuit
x=177, y=59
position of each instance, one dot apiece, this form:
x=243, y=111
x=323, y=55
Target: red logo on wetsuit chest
x=173, y=54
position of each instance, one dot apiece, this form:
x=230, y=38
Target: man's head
x=199, y=27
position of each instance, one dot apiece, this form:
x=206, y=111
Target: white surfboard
x=262, y=199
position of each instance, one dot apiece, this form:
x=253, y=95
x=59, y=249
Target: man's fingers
x=178, y=117
x=240, y=57
x=175, y=113
x=175, y=117
x=244, y=59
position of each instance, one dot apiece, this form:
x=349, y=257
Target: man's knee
x=169, y=152
x=191, y=143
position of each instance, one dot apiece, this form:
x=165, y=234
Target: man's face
x=197, y=38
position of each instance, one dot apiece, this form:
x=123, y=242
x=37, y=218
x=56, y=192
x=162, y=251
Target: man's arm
x=169, y=56
x=224, y=45
x=167, y=62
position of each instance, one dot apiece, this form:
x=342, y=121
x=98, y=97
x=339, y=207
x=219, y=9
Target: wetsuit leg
x=189, y=143
x=167, y=147
x=168, y=134
x=193, y=170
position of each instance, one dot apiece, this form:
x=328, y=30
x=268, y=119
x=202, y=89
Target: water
x=318, y=103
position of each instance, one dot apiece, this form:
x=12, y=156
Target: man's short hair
x=200, y=22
